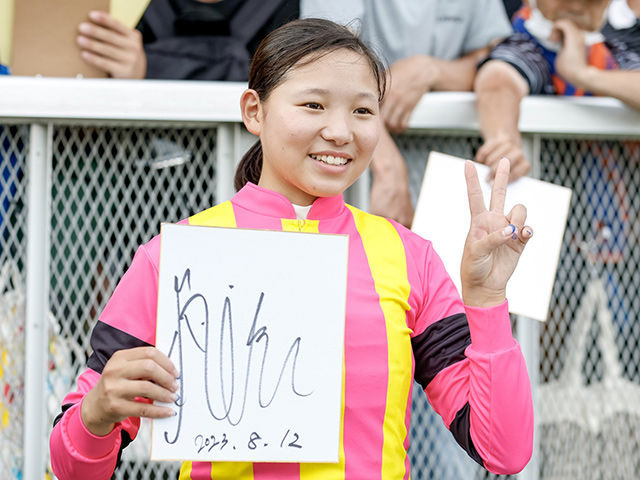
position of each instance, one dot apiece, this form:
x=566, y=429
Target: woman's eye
x=314, y=106
x=363, y=111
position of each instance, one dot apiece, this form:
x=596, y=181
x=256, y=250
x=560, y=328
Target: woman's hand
x=128, y=377
x=494, y=243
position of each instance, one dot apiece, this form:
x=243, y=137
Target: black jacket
x=190, y=40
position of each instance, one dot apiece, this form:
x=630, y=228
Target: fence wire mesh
x=600, y=245
x=111, y=189
x=112, y=186
x=435, y=455
x=13, y=234
x=601, y=241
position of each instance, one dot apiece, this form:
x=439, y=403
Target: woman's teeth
x=330, y=159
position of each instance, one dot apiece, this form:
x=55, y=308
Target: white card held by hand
x=442, y=216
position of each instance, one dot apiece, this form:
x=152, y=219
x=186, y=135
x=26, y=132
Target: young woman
x=313, y=99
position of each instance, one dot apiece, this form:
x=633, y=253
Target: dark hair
x=297, y=43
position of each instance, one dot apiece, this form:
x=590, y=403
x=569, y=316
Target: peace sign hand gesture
x=494, y=243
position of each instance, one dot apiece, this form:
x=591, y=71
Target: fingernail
x=94, y=15
x=529, y=232
x=174, y=397
x=175, y=386
x=509, y=231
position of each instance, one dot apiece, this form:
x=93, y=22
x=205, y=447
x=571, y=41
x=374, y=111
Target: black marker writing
x=233, y=403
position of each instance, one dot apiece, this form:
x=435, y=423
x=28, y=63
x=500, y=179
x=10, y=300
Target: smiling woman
x=313, y=100
x=316, y=141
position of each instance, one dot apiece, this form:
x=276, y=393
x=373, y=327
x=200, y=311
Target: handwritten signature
x=229, y=397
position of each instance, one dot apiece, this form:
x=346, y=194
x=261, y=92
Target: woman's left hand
x=495, y=240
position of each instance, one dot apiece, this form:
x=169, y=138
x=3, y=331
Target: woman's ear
x=251, y=109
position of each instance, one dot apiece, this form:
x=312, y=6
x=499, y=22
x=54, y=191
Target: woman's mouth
x=330, y=159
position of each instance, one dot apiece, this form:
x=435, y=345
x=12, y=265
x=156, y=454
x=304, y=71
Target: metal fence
x=85, y=190
x=14, y=142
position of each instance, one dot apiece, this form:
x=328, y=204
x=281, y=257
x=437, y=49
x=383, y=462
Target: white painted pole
x=38, y=168
x=528, y=331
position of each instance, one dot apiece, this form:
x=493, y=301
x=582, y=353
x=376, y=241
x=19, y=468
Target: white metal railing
x=44, y=102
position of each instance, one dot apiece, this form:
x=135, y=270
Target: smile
x=330, y=159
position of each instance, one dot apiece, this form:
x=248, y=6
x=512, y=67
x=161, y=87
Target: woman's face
x=319, y=127
x=586, y=14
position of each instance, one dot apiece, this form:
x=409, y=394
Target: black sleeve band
x=439, y=346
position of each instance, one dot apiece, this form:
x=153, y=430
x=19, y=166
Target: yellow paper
x=127, y=11
x=6, y=30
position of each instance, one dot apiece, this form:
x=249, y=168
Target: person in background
x=623, y=24
x=546, y=55
x=183, y=39
x=512, y=6
x=430, y=45
x=314, y=102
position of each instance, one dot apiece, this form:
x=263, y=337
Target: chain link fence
x=601, y=242
x=111, y=186
x=434, y=453
x=14, y=141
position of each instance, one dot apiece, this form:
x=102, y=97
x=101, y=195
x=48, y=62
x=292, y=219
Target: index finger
x=499, y=188
x=140, y=353
x=106, y=20
x=474, y=192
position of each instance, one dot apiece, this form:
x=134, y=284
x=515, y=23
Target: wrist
x=431, y=74
x=482, y=298
x=512, y=137
x=94, y=425
x=587, y=78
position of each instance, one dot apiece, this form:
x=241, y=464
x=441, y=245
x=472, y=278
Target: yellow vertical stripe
x=387, y=260
x=323, y=471
x=185, y=471
x=219, y=216
x=319, y=471
x=232, y=471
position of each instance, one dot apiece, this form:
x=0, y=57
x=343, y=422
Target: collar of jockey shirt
x=541, y=28
x=301, y=211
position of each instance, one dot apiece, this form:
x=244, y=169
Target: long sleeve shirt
x=404, y=320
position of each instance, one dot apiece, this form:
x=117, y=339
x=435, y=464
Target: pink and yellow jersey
x=404, y=320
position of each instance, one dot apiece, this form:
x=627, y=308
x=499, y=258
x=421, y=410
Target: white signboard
x=442, y=216
x=254, y=321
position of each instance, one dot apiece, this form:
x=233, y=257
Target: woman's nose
x=338, y=130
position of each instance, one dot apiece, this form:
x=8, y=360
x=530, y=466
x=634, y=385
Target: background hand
x=495, y=148
x=128, y=376
x=494, y=243
x=410, y=78
x=112, y=47
x=571, y=61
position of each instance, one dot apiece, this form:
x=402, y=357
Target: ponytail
x=250, y=167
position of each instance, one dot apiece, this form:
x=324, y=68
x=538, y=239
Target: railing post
x=37, y=306
x=528, y=330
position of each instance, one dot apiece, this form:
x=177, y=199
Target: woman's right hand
x=129, y=376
